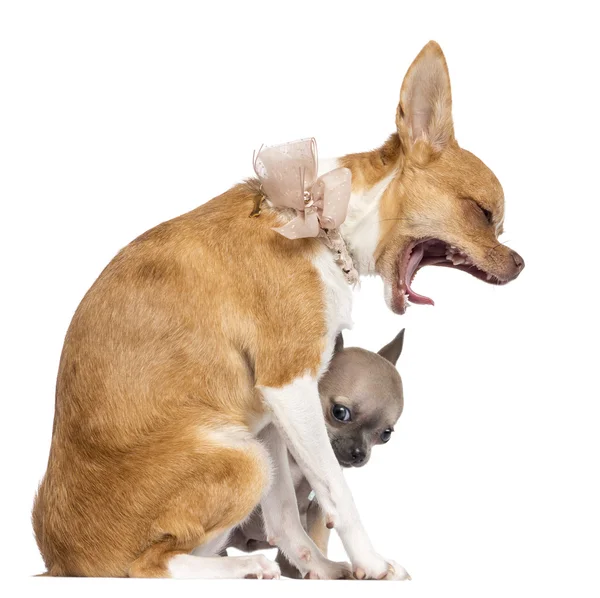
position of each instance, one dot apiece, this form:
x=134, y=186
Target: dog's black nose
x=358, y=455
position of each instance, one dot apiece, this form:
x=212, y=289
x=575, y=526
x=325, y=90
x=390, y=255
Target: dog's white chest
x=338, y=301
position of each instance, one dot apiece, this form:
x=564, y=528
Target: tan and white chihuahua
x=211, y=329
x=362, y=399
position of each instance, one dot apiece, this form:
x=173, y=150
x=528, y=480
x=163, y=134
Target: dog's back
x=167, y=342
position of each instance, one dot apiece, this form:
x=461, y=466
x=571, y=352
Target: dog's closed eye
x=487, y=214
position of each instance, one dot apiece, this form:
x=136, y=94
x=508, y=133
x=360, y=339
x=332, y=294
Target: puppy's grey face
x=362, y=399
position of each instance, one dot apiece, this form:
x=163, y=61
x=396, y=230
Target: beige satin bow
x=288, y=175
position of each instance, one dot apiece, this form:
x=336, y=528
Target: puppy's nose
x=518, y=260
x=358, y=455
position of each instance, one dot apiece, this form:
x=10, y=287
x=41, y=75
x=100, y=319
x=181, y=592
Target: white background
x=115, y=116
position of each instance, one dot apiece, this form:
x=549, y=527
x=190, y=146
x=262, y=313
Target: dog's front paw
x=375, y=567
x=257, y=566
x=396, y=572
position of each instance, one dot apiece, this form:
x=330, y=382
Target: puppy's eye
x=386, y=435
x=341, y=413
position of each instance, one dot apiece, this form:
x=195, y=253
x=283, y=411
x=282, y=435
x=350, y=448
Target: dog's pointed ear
x=392, y=350
x=339, y=343
x=425, y=108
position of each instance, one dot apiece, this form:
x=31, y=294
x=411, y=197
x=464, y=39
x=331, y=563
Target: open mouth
x=431, y=252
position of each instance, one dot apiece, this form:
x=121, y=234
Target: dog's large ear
x=425, y=108
x=392, y=350
x=339, y=343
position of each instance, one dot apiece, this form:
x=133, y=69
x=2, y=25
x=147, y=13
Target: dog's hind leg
x=163, y=560
x=186, y=566
x=233, y=472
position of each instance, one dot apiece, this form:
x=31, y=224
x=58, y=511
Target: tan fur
x=437, y=201
x=437, y=184
x=171, y=341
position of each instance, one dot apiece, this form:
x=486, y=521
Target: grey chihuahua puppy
x=362, y=399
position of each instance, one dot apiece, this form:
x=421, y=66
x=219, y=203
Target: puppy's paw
x=375, y=567
x=323, y=568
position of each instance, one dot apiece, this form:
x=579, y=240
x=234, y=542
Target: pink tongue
x=415, y=259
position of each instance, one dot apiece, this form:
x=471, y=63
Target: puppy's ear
x=339, y=343
x=392, y=350
x=425, y=108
